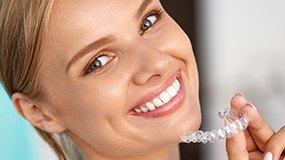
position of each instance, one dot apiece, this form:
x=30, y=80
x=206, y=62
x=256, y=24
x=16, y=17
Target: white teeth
x=175, y=86
x=144, y=109
x=150, y=106
x=157, y=102
x=171, y=91
x=138, y=110
x=163, y=98
x=177, y=82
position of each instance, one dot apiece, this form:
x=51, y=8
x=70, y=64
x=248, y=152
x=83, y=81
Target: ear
x=35, y=114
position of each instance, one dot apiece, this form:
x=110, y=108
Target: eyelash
x=88, y=70
x=156, y=12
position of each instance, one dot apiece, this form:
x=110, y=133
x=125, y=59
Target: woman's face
x=102, y=60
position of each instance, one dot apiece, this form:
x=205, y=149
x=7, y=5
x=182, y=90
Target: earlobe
x=35, y=114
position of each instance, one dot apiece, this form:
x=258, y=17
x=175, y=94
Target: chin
x=186, y=120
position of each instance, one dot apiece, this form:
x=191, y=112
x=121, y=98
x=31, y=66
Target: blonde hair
x=22, y=25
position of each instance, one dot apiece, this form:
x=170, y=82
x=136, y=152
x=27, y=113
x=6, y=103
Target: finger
x=250, y=144
x=259, y=129
x=238, y=102
x=236, y=147
x=256, y=155
x=276, y=144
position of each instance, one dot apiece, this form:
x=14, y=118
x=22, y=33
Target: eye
x=98, y=63
x=149, y=21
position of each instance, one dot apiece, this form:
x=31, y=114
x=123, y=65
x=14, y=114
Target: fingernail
x=239, y=94
x=268, y=156
x=251, y=105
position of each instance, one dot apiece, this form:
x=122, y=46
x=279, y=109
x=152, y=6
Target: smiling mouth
x=167, y=101
x=163, y=98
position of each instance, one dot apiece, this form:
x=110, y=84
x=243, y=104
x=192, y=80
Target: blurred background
x=239, y=46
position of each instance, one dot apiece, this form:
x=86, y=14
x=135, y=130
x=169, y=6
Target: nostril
x=157, y=75
x=143, y=79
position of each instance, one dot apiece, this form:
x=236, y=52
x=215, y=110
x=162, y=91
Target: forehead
x=74, y=14
x=80, y=22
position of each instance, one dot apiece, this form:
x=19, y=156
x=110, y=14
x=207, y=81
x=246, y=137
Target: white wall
x=243, y=46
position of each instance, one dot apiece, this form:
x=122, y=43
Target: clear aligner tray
x=235, y=123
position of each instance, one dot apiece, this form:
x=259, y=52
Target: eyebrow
x=104, y=40
x=142, y=8
x=90, y=47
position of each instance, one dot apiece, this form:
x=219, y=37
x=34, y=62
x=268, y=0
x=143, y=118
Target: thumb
x=236, y=147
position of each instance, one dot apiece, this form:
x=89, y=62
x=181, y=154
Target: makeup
x=236, y=122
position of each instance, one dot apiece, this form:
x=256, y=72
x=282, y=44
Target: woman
x=118, y=79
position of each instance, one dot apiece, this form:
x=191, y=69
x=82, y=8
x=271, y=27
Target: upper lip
x=156, y=92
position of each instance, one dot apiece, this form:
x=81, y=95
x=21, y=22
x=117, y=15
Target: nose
x=152, y=63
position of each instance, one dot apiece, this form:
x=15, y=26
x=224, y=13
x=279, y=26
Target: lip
x=170, y=107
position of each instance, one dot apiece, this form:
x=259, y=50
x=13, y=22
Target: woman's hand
x=259, y=141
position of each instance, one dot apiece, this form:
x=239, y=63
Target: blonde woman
x=93, y=77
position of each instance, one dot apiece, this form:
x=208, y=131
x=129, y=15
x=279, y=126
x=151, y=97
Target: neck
x=170, y=152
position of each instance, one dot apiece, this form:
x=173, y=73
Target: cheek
x=174, y=41
x=87, y=107
x=171, y=39
x=97, y=102
x=93, y=116
x=96, y=106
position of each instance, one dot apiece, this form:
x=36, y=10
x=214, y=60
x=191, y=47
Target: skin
x=258, y=139
x=93, y=109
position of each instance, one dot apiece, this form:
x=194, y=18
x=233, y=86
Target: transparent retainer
x=235, y=123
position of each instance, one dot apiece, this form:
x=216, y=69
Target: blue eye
x=149, y=21
x=98, y=63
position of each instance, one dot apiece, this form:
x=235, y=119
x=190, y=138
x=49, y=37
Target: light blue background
x=15, y=132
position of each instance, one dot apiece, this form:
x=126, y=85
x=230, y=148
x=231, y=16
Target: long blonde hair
x=22, y=25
